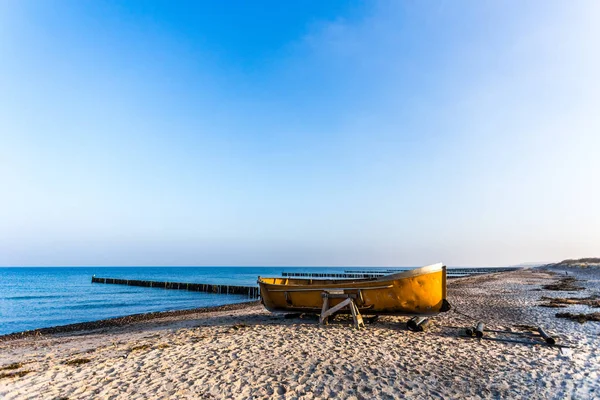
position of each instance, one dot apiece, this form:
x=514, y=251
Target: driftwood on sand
x=561, y=302
x=581, y=318
x=565, y=284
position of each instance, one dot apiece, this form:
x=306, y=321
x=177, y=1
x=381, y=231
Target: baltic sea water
x=40, y=297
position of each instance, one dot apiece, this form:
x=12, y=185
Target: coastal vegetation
x=579, y=263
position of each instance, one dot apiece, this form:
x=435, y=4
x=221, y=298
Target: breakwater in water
x=328, y=275
x=249, y=291
x=366, y=274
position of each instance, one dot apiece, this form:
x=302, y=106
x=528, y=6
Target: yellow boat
x=421, y=291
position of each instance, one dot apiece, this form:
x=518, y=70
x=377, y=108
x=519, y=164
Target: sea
x=41, y=297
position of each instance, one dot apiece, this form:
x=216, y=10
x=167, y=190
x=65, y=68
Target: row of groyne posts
x=252, y=292
x=349, y=274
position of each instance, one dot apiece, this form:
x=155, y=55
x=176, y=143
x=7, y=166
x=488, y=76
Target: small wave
x=33, y=297
x=104, y=305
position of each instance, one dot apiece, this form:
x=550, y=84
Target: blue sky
x=298, y=133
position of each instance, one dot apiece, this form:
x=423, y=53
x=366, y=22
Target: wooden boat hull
x=421, y=291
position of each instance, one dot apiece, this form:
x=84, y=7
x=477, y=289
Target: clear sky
x=298, y=132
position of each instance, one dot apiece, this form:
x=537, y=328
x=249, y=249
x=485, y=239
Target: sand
x=249, y=353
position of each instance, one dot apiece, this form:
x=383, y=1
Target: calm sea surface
x=33, y=298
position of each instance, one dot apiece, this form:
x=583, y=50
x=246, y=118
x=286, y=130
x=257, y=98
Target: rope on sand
x=463, y=314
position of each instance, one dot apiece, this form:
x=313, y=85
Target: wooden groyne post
x=479, y=330
x=547, y=338
x=449, y=271
x=329, y=275
x=250, y=291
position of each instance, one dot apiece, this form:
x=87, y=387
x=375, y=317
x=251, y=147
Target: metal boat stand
x=348, y=301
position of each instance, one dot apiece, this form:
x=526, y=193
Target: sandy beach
x=243, y=200
x=244, y=352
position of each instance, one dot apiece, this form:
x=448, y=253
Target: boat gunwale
x=315, y=289
x=429, y=269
